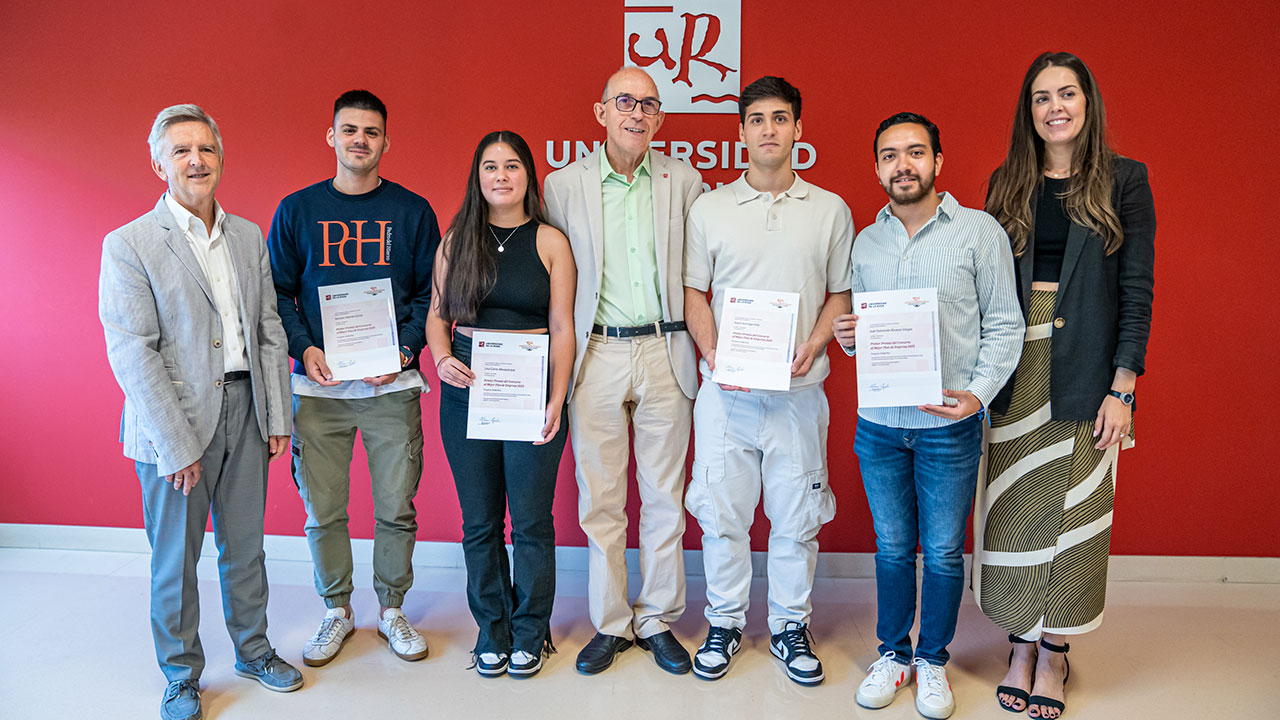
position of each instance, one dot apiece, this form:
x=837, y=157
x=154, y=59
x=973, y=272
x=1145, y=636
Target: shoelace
x=882, y=670
x=267, y=663
x=184, y=687
x=717, y=640
x=402, y=629
x=327, y=633
x=797, y=640
x=930, y=676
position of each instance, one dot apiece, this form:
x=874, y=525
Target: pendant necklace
x=502, y=243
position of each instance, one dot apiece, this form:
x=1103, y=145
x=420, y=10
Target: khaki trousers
x=626, y=387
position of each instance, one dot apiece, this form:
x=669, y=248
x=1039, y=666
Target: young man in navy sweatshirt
x=356, y=227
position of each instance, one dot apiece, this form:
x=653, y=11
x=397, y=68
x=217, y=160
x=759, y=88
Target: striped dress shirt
x=965, y=254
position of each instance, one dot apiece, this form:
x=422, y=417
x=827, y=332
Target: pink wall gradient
x=1187, y=90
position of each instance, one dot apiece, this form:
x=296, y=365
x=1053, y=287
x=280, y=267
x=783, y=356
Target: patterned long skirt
x=1042, y=516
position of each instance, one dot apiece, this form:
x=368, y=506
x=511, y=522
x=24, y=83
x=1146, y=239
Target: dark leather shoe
x=667, y=652
x=597, y=656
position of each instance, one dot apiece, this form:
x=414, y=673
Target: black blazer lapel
x=1075, y=244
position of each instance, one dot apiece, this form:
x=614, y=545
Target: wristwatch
x=1125, y=397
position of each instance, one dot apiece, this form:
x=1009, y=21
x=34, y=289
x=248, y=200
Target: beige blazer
x=574, y=205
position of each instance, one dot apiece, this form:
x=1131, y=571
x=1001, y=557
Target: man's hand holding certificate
x=898, y=353
x=360, y=334
x=757, y=339
x=508, y=398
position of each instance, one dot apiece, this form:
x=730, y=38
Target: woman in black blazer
x=1082, y=225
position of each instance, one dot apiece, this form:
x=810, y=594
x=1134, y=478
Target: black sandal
x=1050, y=702
x=1017, y=693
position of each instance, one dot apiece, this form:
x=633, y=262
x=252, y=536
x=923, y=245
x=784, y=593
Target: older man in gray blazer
x=188, y=308
x=623, y=208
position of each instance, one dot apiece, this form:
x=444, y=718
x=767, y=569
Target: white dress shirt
x=214, y=256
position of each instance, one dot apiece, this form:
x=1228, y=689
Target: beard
x=924, y=187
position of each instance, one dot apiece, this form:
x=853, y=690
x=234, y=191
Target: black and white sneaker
x=491, y=664
x=712, y=659
x=791, y=646
x=524, y=664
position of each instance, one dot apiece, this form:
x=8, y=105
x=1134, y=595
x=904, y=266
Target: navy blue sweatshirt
x=320, y=236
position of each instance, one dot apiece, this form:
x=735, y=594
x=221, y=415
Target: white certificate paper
x=360, y=335
x=508, y=399
x=899, y=357
x=757, y=339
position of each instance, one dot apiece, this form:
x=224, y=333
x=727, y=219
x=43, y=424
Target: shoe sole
x=409, y=657
x=325, y=661
x=937, y=714
x=264, y=684
x=705, y=675
x=523, y=673
x=872, y=704
x=607, y=665
x=492, y=673
x=798, y=679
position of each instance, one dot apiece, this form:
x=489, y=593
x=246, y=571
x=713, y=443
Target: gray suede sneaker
x=273, y=672
x=181, y=701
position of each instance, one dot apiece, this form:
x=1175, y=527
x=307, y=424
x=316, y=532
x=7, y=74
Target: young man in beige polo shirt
x=767, y=230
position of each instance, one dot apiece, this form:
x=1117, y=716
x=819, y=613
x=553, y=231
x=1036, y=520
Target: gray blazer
x=164, y=337
x=574, y=204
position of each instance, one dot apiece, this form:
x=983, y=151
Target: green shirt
x=629, y=293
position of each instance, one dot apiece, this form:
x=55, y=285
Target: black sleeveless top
x=1052, y=226
x=521, y=296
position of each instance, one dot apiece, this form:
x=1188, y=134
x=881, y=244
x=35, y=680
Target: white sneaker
x=404, y=641
x=334, y=630
x=885, y=678
x=933, y=692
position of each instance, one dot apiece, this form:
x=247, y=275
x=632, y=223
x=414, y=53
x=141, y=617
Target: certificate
x=360, y=335
x=508, y=400
x=899, y=357
x=757, y=339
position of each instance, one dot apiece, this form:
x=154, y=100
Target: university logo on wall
x=692, y=48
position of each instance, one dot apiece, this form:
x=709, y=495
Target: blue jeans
x=920, y=485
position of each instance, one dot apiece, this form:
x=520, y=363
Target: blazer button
x=217, y=383
x=218, y=343
x=1059, y=323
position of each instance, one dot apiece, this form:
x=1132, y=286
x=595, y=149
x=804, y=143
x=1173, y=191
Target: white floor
x=75, y=642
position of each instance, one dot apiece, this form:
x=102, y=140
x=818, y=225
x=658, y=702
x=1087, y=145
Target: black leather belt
x=235, y=376
x=657, y=328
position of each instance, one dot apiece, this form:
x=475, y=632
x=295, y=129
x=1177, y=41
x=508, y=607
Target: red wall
x=1188, y=92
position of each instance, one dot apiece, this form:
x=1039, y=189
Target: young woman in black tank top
x=502, y=268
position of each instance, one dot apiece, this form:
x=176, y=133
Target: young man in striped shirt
x=920, y=464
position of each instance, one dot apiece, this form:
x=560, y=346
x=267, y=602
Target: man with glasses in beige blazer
x=623, y=208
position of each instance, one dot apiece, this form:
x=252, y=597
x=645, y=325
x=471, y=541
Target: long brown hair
x=473, y=268
x=1087, y=198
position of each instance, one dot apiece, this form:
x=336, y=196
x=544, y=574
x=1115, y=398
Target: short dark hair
x=903, y=118
x=766, y=87
x=360, y=100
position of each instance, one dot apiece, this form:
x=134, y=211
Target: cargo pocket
x=700, y=502
x=296, y=468
x=817, y=507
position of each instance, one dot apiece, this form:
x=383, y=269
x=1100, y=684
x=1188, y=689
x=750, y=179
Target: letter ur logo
x=692, y=48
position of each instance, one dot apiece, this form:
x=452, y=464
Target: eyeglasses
x=626, y=104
